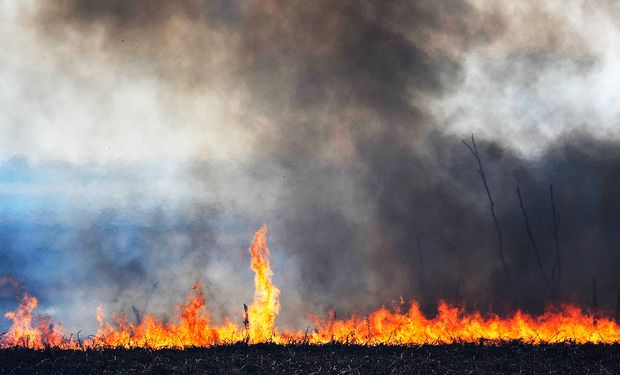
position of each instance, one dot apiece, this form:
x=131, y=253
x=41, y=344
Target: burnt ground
x=326, y=359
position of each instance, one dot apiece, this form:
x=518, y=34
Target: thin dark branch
x=246, y=320
x=617, y=315
x=556, y=270
x=532, y=241
x=457, y=286
x=594, y=293
x=421, y=265
x=594, y=300
x=500, y=241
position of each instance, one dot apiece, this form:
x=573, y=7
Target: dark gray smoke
x=340, y=127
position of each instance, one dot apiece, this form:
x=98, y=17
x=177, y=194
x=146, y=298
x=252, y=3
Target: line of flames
x=193, y=326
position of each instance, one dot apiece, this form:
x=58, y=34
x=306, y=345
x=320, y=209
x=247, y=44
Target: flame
x=30, y=331
x=266, y=306
x=193, y=326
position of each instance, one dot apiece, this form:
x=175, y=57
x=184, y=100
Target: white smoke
x=551, y=69
x=68, y=101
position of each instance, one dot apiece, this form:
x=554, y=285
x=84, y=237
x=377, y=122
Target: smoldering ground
x=338, y=124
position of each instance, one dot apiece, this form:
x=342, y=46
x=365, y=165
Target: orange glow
x=28, y=331
x=193, y=326
x=266, y=306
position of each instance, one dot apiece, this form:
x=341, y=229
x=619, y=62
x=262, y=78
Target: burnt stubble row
x=503, y=358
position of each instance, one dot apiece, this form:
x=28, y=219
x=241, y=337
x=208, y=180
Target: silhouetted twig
x=500, y=242
x=617, y=315
x=556, y=270
x=532, y=241
x=246, y=319
x=594, y=301
x=421, y=266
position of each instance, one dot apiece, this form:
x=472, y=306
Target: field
x=510, y=357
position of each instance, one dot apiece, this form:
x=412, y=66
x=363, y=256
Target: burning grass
x=400, y=326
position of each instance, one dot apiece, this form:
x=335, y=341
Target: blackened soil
x=506, y=358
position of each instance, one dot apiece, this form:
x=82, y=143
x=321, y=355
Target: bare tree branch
x=500, y=241
x=594, y=300
x=617, y=314
x=532, y=241
x=556, y=270
x=421, y=266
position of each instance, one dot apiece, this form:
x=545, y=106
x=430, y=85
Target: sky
x=142, y=143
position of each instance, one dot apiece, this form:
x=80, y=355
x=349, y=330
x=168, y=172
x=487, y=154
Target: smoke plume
x=143, y=143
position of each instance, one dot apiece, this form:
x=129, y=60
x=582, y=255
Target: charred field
x=481, y=358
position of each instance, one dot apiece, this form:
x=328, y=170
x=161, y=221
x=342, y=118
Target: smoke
x=145, y=141
x=549, y=73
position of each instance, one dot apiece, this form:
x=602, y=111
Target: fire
x=30, y=331
x=193, y=326
x=453, y=324
x=266, y=306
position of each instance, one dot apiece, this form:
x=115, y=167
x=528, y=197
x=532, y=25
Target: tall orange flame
x=266, y=306
x=193, y=326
